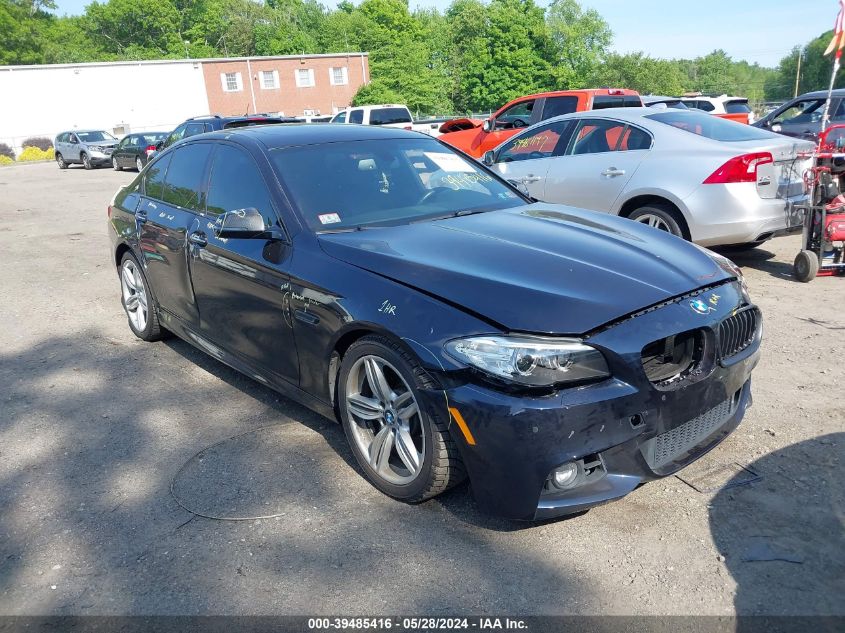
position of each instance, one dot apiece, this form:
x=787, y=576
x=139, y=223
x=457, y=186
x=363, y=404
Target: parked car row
x=711, y=181
x=454, y=326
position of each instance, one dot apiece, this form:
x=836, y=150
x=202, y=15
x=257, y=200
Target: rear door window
x=356, y=116
x=154, y=177
x=555, y=106
x=184, y=183
x=596, y=136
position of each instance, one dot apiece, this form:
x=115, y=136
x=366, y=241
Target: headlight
x=530, y=361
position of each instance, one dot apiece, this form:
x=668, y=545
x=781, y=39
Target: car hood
x=102, y=143
x=539, y=268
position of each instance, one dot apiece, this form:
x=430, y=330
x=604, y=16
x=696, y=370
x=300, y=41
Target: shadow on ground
x=800, y=547
x=95, y=428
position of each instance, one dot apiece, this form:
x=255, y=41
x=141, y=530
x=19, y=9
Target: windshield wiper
x=348, y=229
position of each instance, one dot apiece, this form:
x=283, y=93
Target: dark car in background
x=214, y=122
x=801, y=117
x=90, y=148
x=135, y=150
x=555, y=356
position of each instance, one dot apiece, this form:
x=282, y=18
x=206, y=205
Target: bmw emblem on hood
x=700, y=306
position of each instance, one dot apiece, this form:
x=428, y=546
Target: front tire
x=660, y=217
x=60, y=161
x=138, y=300
x=404, y=449
x=115, y=165
x=806, y=266
x=86, y=161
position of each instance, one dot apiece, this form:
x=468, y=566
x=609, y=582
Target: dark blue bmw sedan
x=556, y=357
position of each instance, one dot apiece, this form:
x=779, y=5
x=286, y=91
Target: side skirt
x=177, y=327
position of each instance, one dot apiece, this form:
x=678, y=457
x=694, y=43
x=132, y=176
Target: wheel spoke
x=407, y=451
x=378, y=383
x=128, y=278
x=365, y=408
x=380, y=448
x=407, y=412
x=131, y=303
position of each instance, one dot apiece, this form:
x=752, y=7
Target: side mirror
x=240, y=223
x=489, y=158
x=487, y=125
x=159, y=145
x=522, y=187
x=775, y=127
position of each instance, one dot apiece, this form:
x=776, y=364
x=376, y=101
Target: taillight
x=740, y=169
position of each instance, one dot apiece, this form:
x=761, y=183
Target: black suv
x=212, y=122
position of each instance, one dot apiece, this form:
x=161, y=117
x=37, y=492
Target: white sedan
x=712, y=181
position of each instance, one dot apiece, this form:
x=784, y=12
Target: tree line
x=473, y=57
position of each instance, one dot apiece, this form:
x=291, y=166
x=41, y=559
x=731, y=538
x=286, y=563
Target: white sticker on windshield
x=329, y=218
x=449, y=162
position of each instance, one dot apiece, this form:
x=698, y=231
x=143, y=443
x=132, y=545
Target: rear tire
x=86, y=161
x=661, y=217
x=115, y=165
x=60, y=161
x=138, y=300
x=806, y=266
x=435, y=463
x=139, y=164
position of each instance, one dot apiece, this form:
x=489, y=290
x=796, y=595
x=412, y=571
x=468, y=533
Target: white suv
x=720, y=105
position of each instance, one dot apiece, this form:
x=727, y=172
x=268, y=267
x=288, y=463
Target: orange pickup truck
x=476, y=136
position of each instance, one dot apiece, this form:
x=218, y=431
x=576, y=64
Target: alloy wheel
x=134, y=295
x=654, y=221
x=138, y=164
x=385, y=416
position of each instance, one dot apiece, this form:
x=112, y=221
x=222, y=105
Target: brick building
x=307, y=84
x=42, y=100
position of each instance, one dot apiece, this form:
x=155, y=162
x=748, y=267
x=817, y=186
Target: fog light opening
x=566, y=475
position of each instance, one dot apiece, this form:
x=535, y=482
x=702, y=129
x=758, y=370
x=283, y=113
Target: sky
x=762, y=32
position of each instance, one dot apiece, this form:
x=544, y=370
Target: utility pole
x=798, y=72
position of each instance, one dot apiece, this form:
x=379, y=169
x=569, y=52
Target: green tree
x=579, y=42
x=642, y=73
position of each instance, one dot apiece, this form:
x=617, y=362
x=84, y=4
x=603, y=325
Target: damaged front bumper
x=620, y=432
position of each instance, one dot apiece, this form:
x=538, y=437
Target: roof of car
x=839, y=92
x=272, y=136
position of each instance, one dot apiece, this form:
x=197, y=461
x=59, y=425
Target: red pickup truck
x=476, y=136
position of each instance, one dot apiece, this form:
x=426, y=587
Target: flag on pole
x=838, y=40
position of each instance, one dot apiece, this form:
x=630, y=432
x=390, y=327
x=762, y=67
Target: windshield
x=385, y=116
x=710, y=126
x=88, y=137
x=344, y=186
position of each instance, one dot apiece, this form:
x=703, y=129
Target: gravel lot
x=95, y=424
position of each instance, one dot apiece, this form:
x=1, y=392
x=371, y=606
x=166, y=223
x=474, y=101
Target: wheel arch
x=119, y=252
x=634, y=203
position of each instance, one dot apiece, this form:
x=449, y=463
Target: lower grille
x=737, y=332
x=668, y=446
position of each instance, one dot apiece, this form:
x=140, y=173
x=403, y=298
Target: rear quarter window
x=737, y=107
x=154, y=178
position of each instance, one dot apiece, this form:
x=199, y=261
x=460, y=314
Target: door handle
x=529, y=178
x=613, y=172
x=306, y=317
x=198, y=238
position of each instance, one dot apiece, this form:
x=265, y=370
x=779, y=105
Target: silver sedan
x=700, y=177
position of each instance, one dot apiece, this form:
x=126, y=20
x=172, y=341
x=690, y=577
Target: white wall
x=46, y=100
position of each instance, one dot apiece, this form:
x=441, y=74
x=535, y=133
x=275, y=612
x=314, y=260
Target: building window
x=338, y=76
x=231, y=82
x=305, y=77
x=269, y=79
